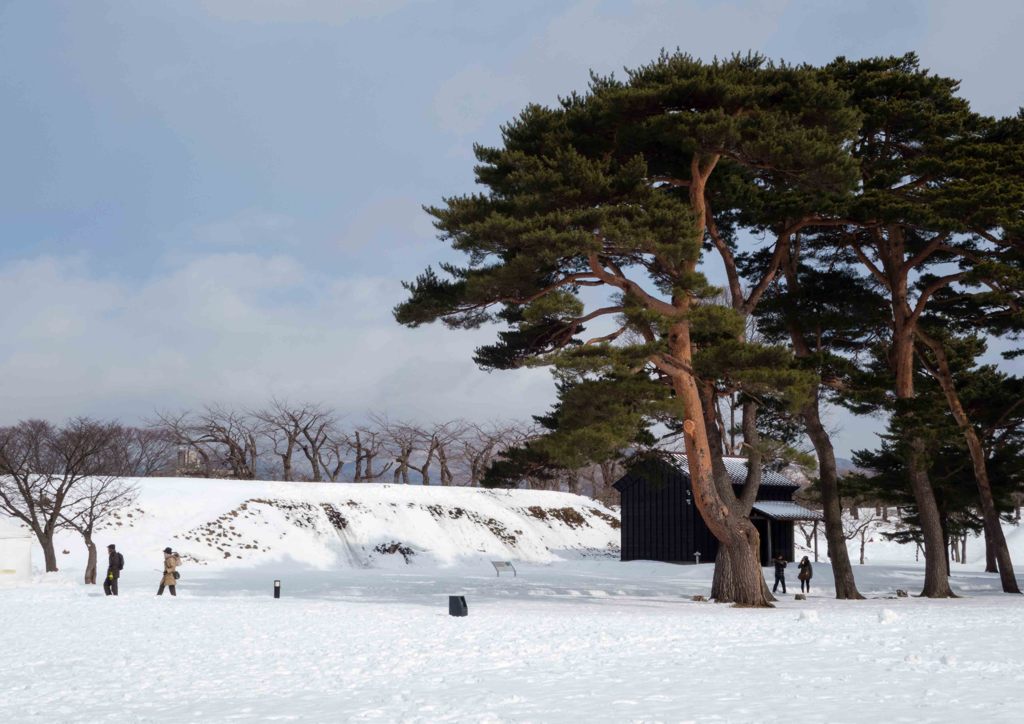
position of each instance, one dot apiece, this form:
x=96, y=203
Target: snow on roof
x=737, y=469
x=785, y=510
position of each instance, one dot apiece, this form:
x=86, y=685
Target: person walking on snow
x=115, y=562
x=805, y=574
x=780, y=572
x=170, y=579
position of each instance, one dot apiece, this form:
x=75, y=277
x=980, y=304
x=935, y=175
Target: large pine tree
x=606, y=197
x=934, y=203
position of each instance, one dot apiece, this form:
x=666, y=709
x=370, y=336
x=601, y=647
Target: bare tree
x=858, y=527
x=94, y=500
x=333, y=455
x=810, y=533
x=282, y=429
x=439, y=442
x=368, y=444
x=41, y=467
x=196, y=456
x=601, y=477
x=140, y=452
x=223, y=439
x=449, y=454
x=289, y=428
x=572, y=480
x=400, y=441
x=318, y=429
x=481, y=444
x=237, y=434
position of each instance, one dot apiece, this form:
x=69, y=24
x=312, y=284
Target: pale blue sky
x=215, y=200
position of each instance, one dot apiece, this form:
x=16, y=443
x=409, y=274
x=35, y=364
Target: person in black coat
x=780, y=572
x=805, y=574
x=114, y=566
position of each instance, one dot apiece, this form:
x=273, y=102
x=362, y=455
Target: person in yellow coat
x=170, y=579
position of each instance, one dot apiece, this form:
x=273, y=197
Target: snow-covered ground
x=575, y=637
x=584, y=640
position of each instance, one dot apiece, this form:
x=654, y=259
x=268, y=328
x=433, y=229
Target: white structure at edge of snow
x=15, y=551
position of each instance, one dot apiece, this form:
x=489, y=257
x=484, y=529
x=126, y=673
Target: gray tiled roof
x=785, y=510
x=737, y=469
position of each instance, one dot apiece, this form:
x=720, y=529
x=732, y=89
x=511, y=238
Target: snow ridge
x=327, y=525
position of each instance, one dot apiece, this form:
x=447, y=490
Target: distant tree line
x=311, y=442
x=74, y=476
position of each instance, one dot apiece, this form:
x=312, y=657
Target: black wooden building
x=660, y=521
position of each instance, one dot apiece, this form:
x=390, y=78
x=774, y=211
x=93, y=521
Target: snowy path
x=574, y=641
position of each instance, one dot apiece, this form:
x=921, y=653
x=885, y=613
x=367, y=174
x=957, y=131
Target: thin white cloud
x=37, y=315
x=236, y=328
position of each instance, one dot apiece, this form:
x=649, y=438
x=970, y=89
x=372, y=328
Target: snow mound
x=809, y=616
x=329, y=525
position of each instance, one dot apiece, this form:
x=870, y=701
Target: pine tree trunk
x=990, y=516
x=831, y=502
x=993, y=527
x=832, y=509
x=742, y=582
x=901, y=360
x=936, y=562
x=936, y=559
x=990, y=555
x=731, y=580
x=946, y=538
x=936, y=568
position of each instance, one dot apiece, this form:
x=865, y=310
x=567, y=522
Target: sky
x=216, y=201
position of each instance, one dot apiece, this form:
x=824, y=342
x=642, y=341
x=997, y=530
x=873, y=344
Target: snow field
x=364, y=635
x=593, y=640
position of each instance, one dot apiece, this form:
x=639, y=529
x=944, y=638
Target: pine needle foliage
x=586, y=242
